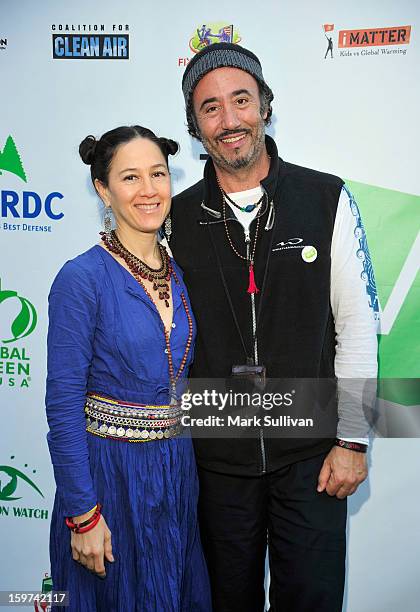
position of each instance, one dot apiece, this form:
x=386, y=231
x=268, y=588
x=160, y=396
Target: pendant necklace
x=248, y=208
x=250, y=257
x=161, y=279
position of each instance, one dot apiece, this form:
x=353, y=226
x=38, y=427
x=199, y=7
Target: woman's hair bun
x=87, y=149
x=170, y=146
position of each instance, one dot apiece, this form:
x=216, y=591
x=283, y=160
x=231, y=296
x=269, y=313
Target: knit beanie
x=219, y=55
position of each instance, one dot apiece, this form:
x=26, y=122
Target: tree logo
x=9, y=484
x=10, y=160
x=25, y=322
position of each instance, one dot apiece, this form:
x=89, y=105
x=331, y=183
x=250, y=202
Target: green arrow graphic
x=392, y=223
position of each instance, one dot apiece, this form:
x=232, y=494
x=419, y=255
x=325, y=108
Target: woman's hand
x=93, y=547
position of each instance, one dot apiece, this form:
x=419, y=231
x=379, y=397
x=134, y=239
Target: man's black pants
x=306, y=533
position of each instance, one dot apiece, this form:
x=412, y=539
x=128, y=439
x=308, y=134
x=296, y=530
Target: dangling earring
x=168, y=227
x=107, y=220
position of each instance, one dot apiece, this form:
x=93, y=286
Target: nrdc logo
x=25, y=204
x=3, y=44
x=210, y=34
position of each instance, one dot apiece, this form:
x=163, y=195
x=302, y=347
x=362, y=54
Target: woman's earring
x=107, y=220
x=168, y=227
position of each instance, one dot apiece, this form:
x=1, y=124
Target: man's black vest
x=296, y=337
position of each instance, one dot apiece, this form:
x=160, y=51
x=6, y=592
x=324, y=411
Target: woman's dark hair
x=98, y=154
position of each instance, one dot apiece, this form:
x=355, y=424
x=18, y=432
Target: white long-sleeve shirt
x=354, y=304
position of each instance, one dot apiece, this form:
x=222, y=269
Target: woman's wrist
x=85, y=522
x=80, y=518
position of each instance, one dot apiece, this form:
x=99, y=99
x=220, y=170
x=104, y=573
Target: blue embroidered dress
x=106, y=336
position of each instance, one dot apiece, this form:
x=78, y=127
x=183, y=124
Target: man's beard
x=237, y=163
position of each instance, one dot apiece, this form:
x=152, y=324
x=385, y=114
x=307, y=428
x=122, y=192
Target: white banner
x=347, y=94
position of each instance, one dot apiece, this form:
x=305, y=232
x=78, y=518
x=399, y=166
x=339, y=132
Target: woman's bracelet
x=86, y=525
x=355, y=446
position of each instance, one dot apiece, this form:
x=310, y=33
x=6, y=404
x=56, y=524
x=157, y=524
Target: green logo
x=25, y=322
x=47, y=584
x=309, y=254
x=392, y=222
x=211, y=33
x=9, y=486
x=10, y=160
x=47, y=587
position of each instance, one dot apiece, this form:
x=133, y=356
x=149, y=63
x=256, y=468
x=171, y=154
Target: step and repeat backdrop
x=347, y=94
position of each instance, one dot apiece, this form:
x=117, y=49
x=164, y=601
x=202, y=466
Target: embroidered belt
x=109, y=418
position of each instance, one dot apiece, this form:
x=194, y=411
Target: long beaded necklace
x=250, y=256
x=141, y=271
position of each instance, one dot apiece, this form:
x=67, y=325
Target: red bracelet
x=90, y=526
x=355, y=446
x=87, y=525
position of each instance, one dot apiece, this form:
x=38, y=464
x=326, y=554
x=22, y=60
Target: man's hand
x=342, y=472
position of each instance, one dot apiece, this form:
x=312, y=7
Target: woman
x=119, y=344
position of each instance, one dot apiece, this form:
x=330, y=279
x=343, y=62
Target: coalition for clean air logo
x=366, y=42
x=209, y=34
x=90, y=41
x=17, y=485
x=18, y=319
x=18, y=208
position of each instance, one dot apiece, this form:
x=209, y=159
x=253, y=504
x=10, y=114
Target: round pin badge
x=309, y=254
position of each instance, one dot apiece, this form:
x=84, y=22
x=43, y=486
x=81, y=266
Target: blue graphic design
x=363, y=254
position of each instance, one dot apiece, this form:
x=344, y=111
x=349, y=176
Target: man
x=330, y=46
x=274, y=257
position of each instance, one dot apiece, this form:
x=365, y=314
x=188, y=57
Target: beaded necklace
x=161, y=279
x=250, y=256
x=248, y=208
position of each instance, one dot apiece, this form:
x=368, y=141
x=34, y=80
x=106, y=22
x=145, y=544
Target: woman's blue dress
x=106, y=336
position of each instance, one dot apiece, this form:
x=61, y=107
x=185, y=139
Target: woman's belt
x=110, y=418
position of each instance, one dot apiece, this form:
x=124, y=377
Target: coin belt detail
x=110, y=418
